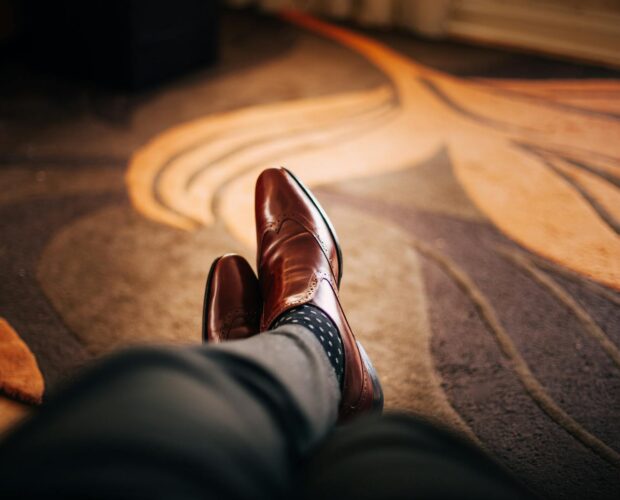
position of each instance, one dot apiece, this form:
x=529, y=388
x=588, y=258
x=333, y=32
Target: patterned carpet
x=475, y=191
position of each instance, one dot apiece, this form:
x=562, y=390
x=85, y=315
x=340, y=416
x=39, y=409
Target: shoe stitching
x=276, y=223
x=313, y=284
x=231, y=316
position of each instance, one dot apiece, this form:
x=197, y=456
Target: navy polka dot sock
x=315, y=320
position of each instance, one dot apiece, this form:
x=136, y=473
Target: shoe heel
x=377, y=390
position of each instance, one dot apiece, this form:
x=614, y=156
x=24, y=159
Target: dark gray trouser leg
x=224, y=422
x=398, y=457
x=231, y=422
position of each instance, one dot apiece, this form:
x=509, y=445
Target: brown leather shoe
x=300, y=262
x=232, y=302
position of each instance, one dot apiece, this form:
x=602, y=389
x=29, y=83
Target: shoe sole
x=377, y=390
x=325, y=218
x=205, y=303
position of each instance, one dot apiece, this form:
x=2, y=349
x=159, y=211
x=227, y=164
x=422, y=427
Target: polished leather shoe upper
x=232, y=301
x=298, y=264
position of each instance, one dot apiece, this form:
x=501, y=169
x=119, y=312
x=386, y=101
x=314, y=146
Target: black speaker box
x=121, y=43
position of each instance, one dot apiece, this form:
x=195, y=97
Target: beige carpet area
x=476, y=193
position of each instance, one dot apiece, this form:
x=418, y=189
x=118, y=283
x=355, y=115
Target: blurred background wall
x=586, y=30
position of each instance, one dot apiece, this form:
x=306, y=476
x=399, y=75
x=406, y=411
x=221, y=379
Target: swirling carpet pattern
x=478, y=207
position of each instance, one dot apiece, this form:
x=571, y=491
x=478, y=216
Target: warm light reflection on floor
x=539, y=169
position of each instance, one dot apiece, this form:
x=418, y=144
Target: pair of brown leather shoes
x=299, y=262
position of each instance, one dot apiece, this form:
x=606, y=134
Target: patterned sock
x=315, y=320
